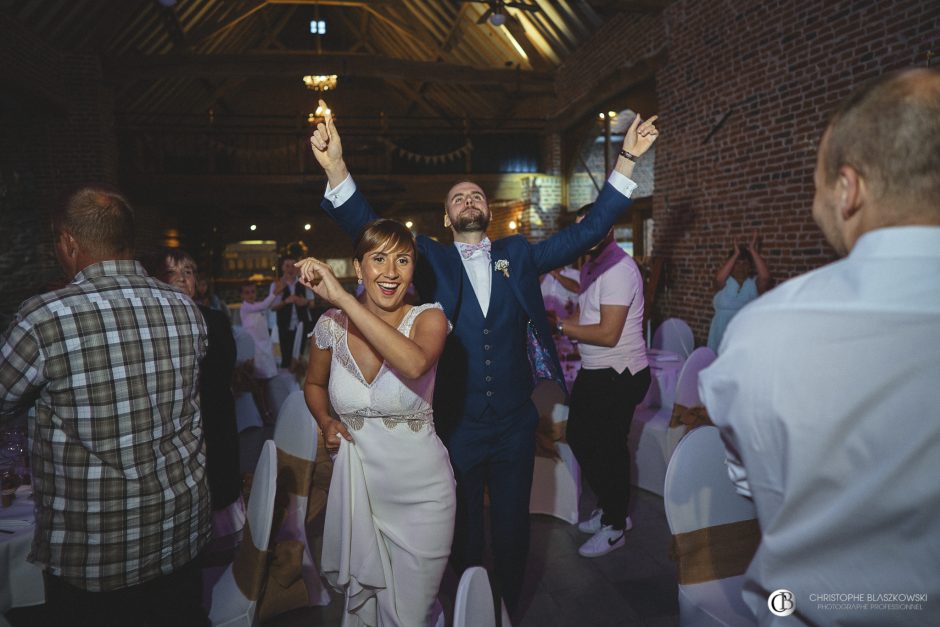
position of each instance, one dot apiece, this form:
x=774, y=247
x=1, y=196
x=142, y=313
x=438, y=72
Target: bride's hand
x=319, y=277
x=332, y=432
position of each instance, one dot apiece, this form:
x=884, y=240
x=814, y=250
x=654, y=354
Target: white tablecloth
x=20, y=581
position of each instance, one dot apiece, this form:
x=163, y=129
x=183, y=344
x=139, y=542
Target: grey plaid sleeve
x=20, y=368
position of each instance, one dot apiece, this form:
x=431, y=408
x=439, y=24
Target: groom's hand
x=328, y=149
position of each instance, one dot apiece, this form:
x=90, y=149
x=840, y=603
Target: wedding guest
x=735, y=286
x=826, y=389
x=613, y=379
x=254, y=317
x=216, y=402
x=110, y=364
x=292, y=302
x=205, y=296
x=489, y=291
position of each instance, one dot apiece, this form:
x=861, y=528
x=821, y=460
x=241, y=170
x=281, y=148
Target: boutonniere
x=503, y=266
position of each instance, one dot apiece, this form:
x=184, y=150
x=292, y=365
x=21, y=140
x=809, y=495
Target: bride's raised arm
x=409, y=357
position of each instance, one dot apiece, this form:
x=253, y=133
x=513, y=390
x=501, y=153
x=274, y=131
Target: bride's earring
x=360, y=280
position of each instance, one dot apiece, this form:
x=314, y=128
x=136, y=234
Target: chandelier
x=320, y=82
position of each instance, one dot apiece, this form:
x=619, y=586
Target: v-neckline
x=352, y=358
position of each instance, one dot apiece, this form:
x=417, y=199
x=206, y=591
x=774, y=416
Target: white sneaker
x=593, y=523
x=605, y=541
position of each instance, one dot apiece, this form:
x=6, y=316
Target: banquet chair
x=474, y=605
x=700, y=496
x=556, y=480
x=296, y=439
x=687, y=393
x=246, y=410
x=235, y=595
x=652, y=439
x=280, y=386
x=674, y=335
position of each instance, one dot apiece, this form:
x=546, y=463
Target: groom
x=500, y=343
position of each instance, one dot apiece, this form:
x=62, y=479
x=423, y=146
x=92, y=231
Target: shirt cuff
x=619, y=182
x=344, y=191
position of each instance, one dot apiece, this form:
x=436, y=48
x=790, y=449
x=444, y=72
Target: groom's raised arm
x=342, y=201
x=564, y=247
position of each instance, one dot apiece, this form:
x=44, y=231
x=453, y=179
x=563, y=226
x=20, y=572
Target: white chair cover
x=244, y=345
x=699, y=494
x=247, y=415
x=674, y=335
x=296, y=435
x=652, y=440
x=473, y=606
x=556, y=483
x=687, y=391
x=229, y=605
x=279, y=388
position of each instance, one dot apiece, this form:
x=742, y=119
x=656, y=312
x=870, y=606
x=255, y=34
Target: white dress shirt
x=827, y=393
x=478, y=267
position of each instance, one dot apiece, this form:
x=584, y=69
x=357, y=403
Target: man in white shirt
x=613, y=379
x=826, y=389
x=292, y=308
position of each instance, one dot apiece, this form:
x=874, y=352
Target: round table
x=20, y=581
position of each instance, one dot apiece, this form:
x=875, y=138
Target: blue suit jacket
x=439, y=273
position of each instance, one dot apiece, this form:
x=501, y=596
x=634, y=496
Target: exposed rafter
x=284, y=63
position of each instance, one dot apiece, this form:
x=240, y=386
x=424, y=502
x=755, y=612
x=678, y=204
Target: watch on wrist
x=561, y=327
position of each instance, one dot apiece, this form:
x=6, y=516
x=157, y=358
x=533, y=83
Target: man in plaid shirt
x=110, y=364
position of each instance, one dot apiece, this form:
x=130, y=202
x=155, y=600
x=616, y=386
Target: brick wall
x=743, y=98
x=57, y=133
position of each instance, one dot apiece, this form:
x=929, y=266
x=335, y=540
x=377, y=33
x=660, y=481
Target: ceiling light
x=320, y=82
x=513, y=225
x=253, y=227
x=409, y=224
x=611, y=114
x=600, y=115
x=307, y=227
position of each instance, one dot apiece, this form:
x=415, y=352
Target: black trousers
x=174, y=600
x=599, y=418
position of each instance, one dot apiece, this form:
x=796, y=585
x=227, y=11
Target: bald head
x=96, y=224
x=889, y=132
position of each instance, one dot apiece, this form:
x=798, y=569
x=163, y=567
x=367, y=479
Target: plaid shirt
x=110, y=364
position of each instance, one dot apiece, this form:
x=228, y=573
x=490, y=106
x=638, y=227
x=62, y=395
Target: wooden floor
x=633, y=585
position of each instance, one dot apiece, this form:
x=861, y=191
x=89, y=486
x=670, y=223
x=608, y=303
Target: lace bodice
x=392, y=398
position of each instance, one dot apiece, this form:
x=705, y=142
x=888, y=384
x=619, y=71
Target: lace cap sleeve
x=417, y=310
x=323, y=332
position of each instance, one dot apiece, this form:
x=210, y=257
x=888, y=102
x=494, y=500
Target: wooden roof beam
x=283, y=63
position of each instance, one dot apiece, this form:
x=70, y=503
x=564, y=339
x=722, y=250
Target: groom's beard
x=471, y=220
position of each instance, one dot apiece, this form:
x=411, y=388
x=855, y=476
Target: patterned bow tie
x=467, y=250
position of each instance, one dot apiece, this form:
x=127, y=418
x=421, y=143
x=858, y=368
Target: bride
x=390, y=512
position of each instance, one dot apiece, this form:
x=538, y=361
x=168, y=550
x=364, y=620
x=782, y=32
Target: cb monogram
x=781, y=602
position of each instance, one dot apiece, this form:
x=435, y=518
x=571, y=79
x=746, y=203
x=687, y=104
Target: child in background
x=254, y=316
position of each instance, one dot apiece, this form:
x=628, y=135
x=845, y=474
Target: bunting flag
x=446, y=157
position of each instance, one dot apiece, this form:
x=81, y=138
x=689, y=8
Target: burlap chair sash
x=250, y=567
x=243, y=377
x=284, y=588
x=715, y=552
x=294, y=474
x=691, y=417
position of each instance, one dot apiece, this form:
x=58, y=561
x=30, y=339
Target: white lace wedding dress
x=390, y=511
